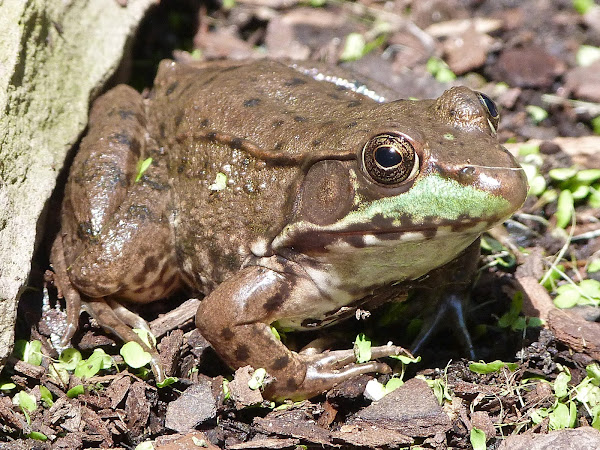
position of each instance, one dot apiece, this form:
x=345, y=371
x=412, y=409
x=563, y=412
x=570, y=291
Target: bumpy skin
x=302, y=233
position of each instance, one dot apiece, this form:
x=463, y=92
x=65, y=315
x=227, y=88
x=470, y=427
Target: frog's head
x=417, y=170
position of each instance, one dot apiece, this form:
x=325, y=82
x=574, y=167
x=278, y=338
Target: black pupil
x=387, y=156
x=489, y=104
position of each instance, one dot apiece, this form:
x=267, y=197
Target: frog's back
x=239, y=139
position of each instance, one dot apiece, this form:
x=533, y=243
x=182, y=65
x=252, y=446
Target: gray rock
x=55, y=57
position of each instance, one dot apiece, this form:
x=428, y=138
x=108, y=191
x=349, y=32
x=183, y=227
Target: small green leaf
x=494, y=366
x=568, y=296
x=536, y=113
x=564, y=209
x=593, y=371
x=406, y=359
x=477, y=438
x=560, y=417
x=46, y=396
x=528, y=149
x=7, y=386
x=220, y=182
x=226, y=390
x=591, y=288
x=593, y=265
x=275, y=333
x=594, y=198
x=87, y=368
x=75, y=391
x=583, y=6
x=30, y=352
x=596, y=124
x=393, y=384
x=134, y=355
x=561, y=384
x=37, y=436
x=69, y=358
x=354, y=47
x=25, y=401
x=596, y=417
x=440, y=70
x=362, y=348
x=168, y=381
x=587, y=176
x=142, y=167
x=257, y=379
x=147, y=445
x=562, y=173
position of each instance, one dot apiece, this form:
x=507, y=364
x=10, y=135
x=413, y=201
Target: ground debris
x=576, y=332
x=584, y=438
x=193, y=439
x=412, y=409
x=196, y=405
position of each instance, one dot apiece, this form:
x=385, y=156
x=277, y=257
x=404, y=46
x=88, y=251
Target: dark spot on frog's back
x=150, y=264
x=241, y=353
x=227, y=334
x=204, y=123
x=351, y=124
x=316, y=142
x=300, y=119
x=353, y=104
x=178, y=118
x=277, y=123
x=275, y=301
x=295, y=82
x=251, y=102
x=236, y=143
x=121, y=138
x=171, y=88
x=281, y=362
x=126, y=114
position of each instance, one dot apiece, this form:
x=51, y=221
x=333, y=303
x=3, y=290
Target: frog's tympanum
x=282, y=199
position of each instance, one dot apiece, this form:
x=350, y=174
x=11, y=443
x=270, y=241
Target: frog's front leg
x=235, y=318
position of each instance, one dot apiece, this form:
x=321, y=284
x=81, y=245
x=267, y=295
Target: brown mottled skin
x=289, y=238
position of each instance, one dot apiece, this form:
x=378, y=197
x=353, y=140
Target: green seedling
x=30, y=352
x=477, y=438
x=537, y=113
x=440, y=70
x=134, y=355
x=362, y=348
x=492, y=367
x=142, y=167
x=258, y=378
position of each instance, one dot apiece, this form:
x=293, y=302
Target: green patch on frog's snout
x=430, y=201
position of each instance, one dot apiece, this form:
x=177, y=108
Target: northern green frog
x=284, y=200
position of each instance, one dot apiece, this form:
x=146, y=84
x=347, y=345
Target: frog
x=286, y=201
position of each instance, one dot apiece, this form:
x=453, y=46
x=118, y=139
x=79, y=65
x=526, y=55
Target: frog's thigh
x=104, y=168
x=134, y=259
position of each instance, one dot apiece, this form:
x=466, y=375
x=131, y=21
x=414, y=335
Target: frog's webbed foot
x=450, y=313
x=120, y=321
x=325, y=370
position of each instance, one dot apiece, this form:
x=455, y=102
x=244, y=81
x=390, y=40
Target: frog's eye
x=390, y=159
x=492, y=109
